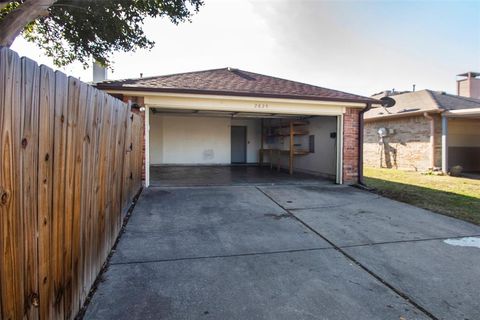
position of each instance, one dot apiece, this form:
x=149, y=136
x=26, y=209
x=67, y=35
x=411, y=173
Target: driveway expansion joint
x=221, y=256
x=351, y=258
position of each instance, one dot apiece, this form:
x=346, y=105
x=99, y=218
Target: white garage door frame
x=252, y=105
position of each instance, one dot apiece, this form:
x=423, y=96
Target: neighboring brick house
x=197, y=119
x=424, y=130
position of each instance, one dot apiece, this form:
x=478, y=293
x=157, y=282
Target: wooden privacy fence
x=71, y=162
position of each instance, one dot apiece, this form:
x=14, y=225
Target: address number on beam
x=260, y=106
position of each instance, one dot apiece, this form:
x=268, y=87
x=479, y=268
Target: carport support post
x=147, y=146
x=444, y=144
x=339, y=175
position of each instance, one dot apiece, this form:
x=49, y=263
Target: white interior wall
x=324, y=160
x=464, y=132
x=254, y=135
x=156, y=139
x=189, y=140
x=183, y=139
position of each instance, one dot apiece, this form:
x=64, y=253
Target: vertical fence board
x=29, y=189
x=73, y=96
x=58, y=233
x=97, y=125
x=80, y=134
x=127, y=162
x=86, y=194
x=70, y=160
x=45, y=188
x=11, y=222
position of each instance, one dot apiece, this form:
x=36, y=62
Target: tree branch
x=15, y=21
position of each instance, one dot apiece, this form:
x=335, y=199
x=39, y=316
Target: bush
x=456, y=171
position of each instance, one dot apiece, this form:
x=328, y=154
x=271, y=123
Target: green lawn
x=452, y=196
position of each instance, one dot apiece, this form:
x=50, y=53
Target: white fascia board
x=226, y=103
x=463, y=112
x=249, y=105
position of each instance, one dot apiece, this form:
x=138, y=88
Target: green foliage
x=82, y=30
x=451, y=196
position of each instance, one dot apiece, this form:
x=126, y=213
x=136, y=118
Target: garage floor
x=288, y=252
x=176, y=176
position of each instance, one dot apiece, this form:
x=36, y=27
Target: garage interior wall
x=254, y=135
x=198, y=140
x=464, y=143
x=189, y=140
x=201, y=140
x=323, y=160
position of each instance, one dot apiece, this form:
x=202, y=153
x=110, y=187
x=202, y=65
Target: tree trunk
x=14, y=22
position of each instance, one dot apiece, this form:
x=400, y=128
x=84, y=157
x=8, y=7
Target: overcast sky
x=355, y=46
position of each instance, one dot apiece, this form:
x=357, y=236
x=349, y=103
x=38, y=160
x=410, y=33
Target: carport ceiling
x=229, y=114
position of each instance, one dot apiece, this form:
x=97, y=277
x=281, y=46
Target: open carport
x=311, y=251
x=230, y=117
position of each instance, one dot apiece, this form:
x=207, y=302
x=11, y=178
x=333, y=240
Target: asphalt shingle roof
x=233, y=82
x=423, y=101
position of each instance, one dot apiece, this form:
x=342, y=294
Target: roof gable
x=229, y=81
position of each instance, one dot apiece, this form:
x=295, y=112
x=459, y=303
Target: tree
x=69, y=30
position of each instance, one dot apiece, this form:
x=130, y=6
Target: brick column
x=350, y=145
x=140, y=102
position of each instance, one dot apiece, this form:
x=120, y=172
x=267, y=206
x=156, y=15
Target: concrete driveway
x=288, y=252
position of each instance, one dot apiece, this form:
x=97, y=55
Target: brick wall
x=408, y=148
x=140, y=102
x=350, y=145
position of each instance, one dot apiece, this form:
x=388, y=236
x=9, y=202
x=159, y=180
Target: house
x=229, y=116
x=426, y=129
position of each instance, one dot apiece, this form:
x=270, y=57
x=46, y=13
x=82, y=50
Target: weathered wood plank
x=11, y=222
x=30, y=103
x=45, y=189
x=70, y=160
x=127, y=163
x=80, y=144
x=59, y=162
x=87, y=184
x=72, y=119
x=77, y=198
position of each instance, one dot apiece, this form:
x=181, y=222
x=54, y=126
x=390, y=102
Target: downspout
x=432, y=139
x=360, y=142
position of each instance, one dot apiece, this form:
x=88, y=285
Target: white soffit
x=246, y=105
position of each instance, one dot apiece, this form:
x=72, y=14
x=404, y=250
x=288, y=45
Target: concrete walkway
x=288, y=252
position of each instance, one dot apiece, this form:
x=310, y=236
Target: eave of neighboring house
x=422, y=102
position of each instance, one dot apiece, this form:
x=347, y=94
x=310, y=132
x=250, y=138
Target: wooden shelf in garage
x=292, y=151
x=295, y=123
x=295, y=133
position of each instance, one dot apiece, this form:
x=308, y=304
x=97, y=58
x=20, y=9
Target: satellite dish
x=387, y=102
x=382, y=132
